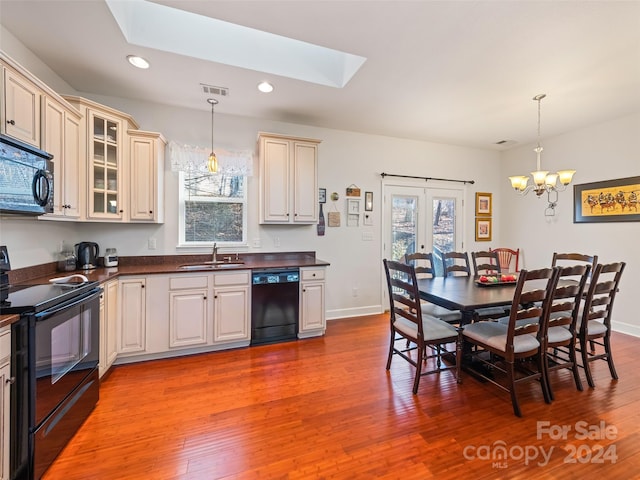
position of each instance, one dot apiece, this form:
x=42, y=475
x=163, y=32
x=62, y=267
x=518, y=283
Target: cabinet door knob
x=11, y=122
x=11, y=380
x=141, y=286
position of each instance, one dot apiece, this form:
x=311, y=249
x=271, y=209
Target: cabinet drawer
x=235, y=278
x=5, y=345
x=312, y=274
x=186, y=282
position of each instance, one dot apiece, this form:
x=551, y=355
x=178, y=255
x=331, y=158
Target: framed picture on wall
x=483, y=204
x=607, y=201
x=483, y=229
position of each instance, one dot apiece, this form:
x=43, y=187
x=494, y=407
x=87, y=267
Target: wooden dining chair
x=505, y=347
x=506, y=256
x=594, y=333
x=423, y=266
x=455, y=263
x=486, y=263
x=408, y=324
x=560, y=332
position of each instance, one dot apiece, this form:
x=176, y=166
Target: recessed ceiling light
x=137, y=61
x=265, y=87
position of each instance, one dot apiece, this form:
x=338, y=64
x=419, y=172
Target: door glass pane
x=444, y=229
x=404, y=225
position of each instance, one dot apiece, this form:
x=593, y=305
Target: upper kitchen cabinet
x=146, y=173
x=107, y=145
x=61, y=125
x=21, y=99
x=288, y=179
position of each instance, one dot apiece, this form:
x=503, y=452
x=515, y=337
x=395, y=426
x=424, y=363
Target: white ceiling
x=459, y=72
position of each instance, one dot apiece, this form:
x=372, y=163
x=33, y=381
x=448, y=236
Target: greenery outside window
x=212, y=208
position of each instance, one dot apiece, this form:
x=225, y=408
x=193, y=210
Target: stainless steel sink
x=210, y=265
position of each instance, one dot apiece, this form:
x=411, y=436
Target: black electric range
x=37, y=298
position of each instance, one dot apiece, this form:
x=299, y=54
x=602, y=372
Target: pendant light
x=543, y=181
x=212, y=163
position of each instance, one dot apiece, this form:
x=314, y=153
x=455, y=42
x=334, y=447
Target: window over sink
x=212, y=208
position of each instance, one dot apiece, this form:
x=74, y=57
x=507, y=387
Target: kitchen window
x=212, y=208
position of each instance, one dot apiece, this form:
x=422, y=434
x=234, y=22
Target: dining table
x=466, y=294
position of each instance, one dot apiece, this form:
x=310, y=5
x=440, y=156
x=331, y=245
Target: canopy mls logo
x=575, y=446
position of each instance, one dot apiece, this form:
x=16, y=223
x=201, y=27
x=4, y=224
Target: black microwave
x=26, y=178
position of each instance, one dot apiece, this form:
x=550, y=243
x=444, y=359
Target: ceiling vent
x=506, y=143
x=212, y=90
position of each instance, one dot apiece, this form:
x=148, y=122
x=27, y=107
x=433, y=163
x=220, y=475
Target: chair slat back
x=531, y=301
x=455, y=263
x=404, y=296
x=486, y=263
x=573, y=259
x=422, y=264
x=568, y=295
x=603, y=287
x=505, y=256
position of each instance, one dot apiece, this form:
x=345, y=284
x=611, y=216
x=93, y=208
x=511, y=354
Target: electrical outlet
x=256, y=242
x=354, y=291
x=152, y=243
x=276, y=242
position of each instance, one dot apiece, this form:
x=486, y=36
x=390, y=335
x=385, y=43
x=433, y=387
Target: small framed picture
x=322, y=195
x=353, y=206
x=483, y=204
x=483, y=229
x=368, y=201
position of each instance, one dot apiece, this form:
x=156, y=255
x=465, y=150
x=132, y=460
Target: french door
x=421, y=219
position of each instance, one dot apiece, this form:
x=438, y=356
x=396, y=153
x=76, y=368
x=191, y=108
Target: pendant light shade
x=212, y=163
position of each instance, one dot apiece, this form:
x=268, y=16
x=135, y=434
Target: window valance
x=193, y=159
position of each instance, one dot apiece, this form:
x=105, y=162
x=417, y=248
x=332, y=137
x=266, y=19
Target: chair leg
x=585, y=363
x=607, y=349
x=547, y=377
x=459, y=344
x=541, y=360
x=573, y=358
x=416, y=381
x=391, y=345
x=511, y=381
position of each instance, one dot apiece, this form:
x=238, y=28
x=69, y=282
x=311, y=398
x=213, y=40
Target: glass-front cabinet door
x=105, y=153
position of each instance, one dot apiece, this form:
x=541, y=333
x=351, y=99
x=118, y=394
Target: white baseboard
x=353, y=312
x=626, y=328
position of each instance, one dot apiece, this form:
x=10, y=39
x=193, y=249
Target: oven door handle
x=71, y=303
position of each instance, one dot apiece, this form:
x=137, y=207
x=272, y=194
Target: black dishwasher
x=274, y=305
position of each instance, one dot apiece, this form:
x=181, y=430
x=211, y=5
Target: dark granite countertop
x=150, y=265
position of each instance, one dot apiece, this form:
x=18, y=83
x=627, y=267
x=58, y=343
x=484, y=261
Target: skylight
x=151, y=25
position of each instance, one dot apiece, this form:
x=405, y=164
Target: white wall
x=600, y=152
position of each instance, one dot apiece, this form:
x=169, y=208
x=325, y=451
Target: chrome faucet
x=214, y=256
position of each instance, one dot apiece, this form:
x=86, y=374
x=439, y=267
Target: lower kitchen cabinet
x=188, y=311
x=231, y=318
x=108, y=326
x=312, y=314
x=132, y=320
x=5, y=400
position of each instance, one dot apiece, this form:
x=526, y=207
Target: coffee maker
x=87, y=255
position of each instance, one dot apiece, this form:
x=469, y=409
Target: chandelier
x=212, y=163
x=543, y=181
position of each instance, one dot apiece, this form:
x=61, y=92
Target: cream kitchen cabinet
x=312, y=310
x=231, y=297
x=288, y=179
x=132, y=319
x=5, y=400
x=188, y=310
x=21, y=104
x=146, y=176
x=108, y=326
x=61, y=138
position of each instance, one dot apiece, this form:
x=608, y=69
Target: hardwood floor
x=327, y=408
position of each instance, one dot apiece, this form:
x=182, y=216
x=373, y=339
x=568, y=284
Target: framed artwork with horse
x=607, y=201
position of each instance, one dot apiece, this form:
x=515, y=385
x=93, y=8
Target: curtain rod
x=427, y=178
